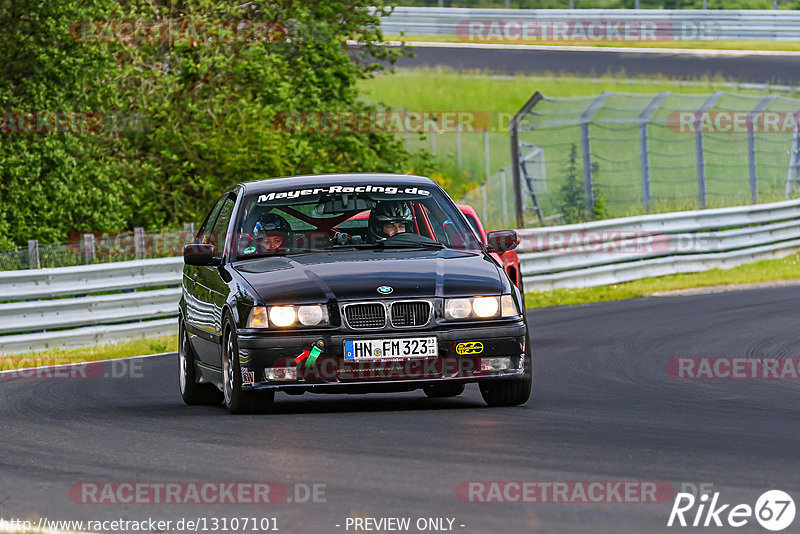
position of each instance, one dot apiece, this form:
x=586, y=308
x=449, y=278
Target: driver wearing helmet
x=272, y=232
x=389, y=218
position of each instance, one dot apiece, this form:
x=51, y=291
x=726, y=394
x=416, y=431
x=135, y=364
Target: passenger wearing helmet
x=389, y=218
x=271, y=232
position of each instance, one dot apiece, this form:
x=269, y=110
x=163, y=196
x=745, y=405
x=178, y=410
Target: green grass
x=89, y=354
x=704, y=44
x=615, y=148
x=761, y=271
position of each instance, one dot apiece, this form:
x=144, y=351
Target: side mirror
x=197, y=254
x=502, y=240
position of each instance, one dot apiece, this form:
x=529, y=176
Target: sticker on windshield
x=341, y=189
x=249, y=250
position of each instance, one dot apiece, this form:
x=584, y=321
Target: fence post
x=586, y=149
x=139, y=242
x=751, y=145
x=33, y=254
x=88, y=248
x=644, y=153
x=516, y=163
x=698, y=142
x=486, y=160
x=406, y=128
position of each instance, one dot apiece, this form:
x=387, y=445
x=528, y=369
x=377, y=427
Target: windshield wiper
x=279, y=253
x=425, y=244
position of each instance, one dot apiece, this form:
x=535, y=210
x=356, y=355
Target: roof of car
x=294, y=182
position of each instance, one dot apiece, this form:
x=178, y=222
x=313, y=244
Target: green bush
x=210, y=110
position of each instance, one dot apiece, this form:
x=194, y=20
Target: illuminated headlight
x=484, y=307
x=285, y=316
x=480, y=307
x=282, y=315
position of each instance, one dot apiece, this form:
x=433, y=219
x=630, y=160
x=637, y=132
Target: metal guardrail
x=142, y=302
x=621, y=250
x=145, y=293
x=669, y=24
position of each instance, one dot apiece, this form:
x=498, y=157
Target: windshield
x=337, y=217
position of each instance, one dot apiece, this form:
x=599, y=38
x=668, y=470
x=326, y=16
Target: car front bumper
x=269, y=361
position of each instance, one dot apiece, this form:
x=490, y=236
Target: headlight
x=480, y=308
x=310, y=315
x=485, y=306
x=282, y=315
x=285, y=316
x=458, y=308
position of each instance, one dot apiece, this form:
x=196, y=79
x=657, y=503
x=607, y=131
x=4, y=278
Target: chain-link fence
x=614, y=154
x=87, y=249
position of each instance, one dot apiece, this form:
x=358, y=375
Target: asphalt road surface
x=603, y=409
x=776, y=69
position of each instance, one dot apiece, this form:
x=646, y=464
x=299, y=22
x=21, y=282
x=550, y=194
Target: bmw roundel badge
x=385, y=290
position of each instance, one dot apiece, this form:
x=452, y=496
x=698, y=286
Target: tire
x=444, y=390
x=192, y=392
x=236, y=399
x=512, y=391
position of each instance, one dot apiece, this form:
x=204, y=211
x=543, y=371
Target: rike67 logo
x=774, y=510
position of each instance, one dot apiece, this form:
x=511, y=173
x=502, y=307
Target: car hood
x=356, y=275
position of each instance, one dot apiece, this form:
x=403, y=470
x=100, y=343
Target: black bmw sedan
x=355, y=283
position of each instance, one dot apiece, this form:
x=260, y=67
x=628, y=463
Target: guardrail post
x=793, y=160
x=586, y=149
x=751, y=145
x=88, y=248
x=33, y=254
x=644, y=153
x=139, y=242
x=698, y=141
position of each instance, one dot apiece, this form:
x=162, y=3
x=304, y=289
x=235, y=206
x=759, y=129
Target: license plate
x=370, y=349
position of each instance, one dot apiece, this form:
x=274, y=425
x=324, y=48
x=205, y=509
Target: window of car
x=204, y=234
x=219, y=231
x=328, y=217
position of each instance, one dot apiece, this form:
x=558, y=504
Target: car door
x=212, y=290
x=198, y=314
